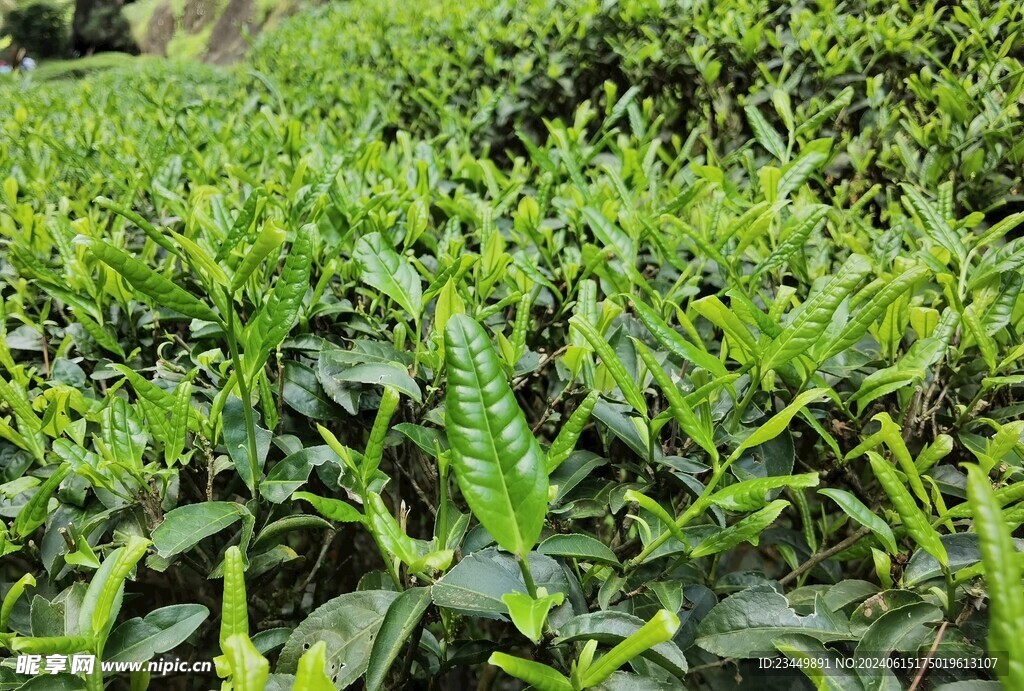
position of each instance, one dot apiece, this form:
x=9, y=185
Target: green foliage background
x=577, y=344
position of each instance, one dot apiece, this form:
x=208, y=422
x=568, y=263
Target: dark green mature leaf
x=402, y=617
x=855, y=509
x=185, y=526
x=376, y=375
x=751, y=620
x=903, y=630
x=823, y=666
x=292, y=472
x=477, y=583
x=578, y=546
x=499, y=464
x=141, y=639
x=766, y=135
x=237, y=441
x=347, y=624
x=303, y=394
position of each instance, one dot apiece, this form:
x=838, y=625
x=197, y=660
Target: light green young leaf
x=609, y=234
x=234, y=616
x=375, y=444
x=747, y=530
x=798, y=171
x=812, y=318
x=387, y=530
x=536, y=674
x=738, y=333
x=869, y=313
x=162, y=291
x=661, y=627
x=334, y=509
x=177, y=426
x=528, y=614
x=611, y=361
x=750, y=495
x=247, y=668
x=915, y=521
x=659, y=512
x=11, y=599
x=251, y=211
x=564, y=444
x=676, y=344
x=855, y=509
x=498, y=463
x=383, y=269
x=33, y=513
x=273, y=322
x=311, y=674
x=1002, y=575
x=688, y=421
x=934, y=226
x=271, y=237
x=811, y=124
x=611, y=627
x=810, y=220
x=777, y=423
x=103, y=597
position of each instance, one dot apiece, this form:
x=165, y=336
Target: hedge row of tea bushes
x=934, y=90
x=577, y=345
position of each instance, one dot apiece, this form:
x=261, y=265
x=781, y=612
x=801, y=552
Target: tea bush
x=580, y=345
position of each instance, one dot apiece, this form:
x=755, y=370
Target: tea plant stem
x=969, y=409
x=748, y=396
x=927, y=659
x=695, y=509
x=442, y=509
x=410, y=656
x=821, y=556
x=243, y=389
x=524, y=567
x=950, y=592
x=389, y=563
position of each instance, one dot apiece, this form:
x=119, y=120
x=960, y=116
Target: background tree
x=100, y=26
x=41, y=28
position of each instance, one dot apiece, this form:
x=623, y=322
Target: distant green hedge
x=926, y=79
